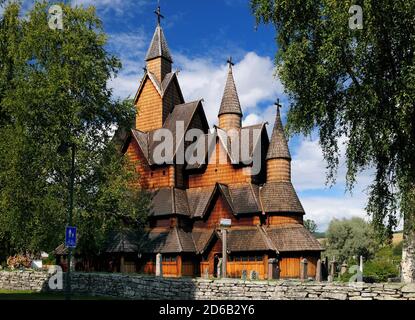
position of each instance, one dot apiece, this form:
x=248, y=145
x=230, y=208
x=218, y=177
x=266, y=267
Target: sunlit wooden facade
x=189, y=200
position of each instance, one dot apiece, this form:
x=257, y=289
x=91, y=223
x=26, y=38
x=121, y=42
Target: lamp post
x=63, y=150
x=70, y=213
x=225, y=224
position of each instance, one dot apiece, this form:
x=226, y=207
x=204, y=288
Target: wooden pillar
x=159, y=265
x=179, y=265
x=303, y=269
x=224, y=253
x=319, y=275
x=122, y=264
x=266, y=267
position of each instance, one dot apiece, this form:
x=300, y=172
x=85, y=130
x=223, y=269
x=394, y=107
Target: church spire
x=230, y=101
x=158, y=56
x=230, y=113
x=278, y=148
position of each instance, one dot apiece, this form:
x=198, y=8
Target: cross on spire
x=158, y=13
x=278, y=104
x=230, y=62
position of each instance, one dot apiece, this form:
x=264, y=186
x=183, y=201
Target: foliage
x=310, y=225
x=54, y=95
x=357, y=87
x=384, y=265
x=350, y=238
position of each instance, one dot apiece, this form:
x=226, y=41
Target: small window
x=152, y=174
x=164, y=172
x=245, y=258
x=251, y=258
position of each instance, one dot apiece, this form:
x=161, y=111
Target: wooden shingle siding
x=219, y=173
x=149, y=108
x=171, y=98
x=278, y=170
x=159, y=67
x=284, y=219
x=149, y=178
x=230, y=121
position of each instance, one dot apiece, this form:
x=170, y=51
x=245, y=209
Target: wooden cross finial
x=230, y=62
x=158, y=13
x=278, y=104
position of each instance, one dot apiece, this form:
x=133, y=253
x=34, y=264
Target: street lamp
x=224, y=224
x=63, y=150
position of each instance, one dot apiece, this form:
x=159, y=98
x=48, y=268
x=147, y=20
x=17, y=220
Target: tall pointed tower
x=230, y=113
x=158, y=58
x=278, y=156
x=159, y=90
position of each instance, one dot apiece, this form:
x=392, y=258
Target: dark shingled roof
x=125, y=241
x=230, y=101
x=284, y=238
x=245, y=198
x=199, y=199
x=167, y=201
x=202, y=238
x=158, y=46
x=248, y=239
x=280, y=197
x=293, y=237
x=242, y=198
x=253, y=134
x=174, y=240
x=278, y=148
x=183, y=112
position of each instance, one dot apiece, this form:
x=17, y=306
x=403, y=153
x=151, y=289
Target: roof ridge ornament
x=278, y=105
x=230, y=62
x=158, y=13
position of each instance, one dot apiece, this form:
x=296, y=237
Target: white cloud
x=204, y=78
x=309, y=176
x=322, y=209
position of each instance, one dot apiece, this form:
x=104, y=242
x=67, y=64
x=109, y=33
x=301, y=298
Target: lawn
x=32, y=295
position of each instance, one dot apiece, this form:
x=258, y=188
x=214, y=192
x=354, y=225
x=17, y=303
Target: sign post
x=225, y=224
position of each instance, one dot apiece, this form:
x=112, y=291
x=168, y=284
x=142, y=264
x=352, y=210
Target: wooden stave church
x=188, y=201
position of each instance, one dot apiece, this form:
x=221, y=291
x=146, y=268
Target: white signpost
x=224, y=224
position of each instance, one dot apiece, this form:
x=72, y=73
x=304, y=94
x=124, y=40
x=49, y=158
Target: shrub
x=383, y=266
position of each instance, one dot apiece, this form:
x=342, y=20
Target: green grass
x=32, y=295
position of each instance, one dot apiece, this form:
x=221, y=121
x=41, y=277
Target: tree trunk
x=408, y=252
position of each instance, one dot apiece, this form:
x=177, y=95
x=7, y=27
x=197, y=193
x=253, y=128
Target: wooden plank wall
x=235, y=269
x=219, y=173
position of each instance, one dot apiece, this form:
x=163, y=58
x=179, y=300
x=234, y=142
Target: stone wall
x=147, y=287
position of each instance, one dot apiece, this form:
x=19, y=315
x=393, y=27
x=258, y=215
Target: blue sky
x=201, y=35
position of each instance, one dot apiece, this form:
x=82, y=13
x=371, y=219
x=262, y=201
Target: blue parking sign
x=70, y=237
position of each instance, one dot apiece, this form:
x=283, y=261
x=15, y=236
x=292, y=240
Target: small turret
x=230, y=113
x=278, y=156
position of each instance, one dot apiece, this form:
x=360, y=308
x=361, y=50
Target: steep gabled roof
x=173, y=240
x=230, y=100
x=184, y=113
x=280, y=197
x=292, y=237
x=278, y=148
x=255, y=141
x=248, y=239
x=241, y=198
x=161, y=88
x=168, y=201
x=158, y=46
